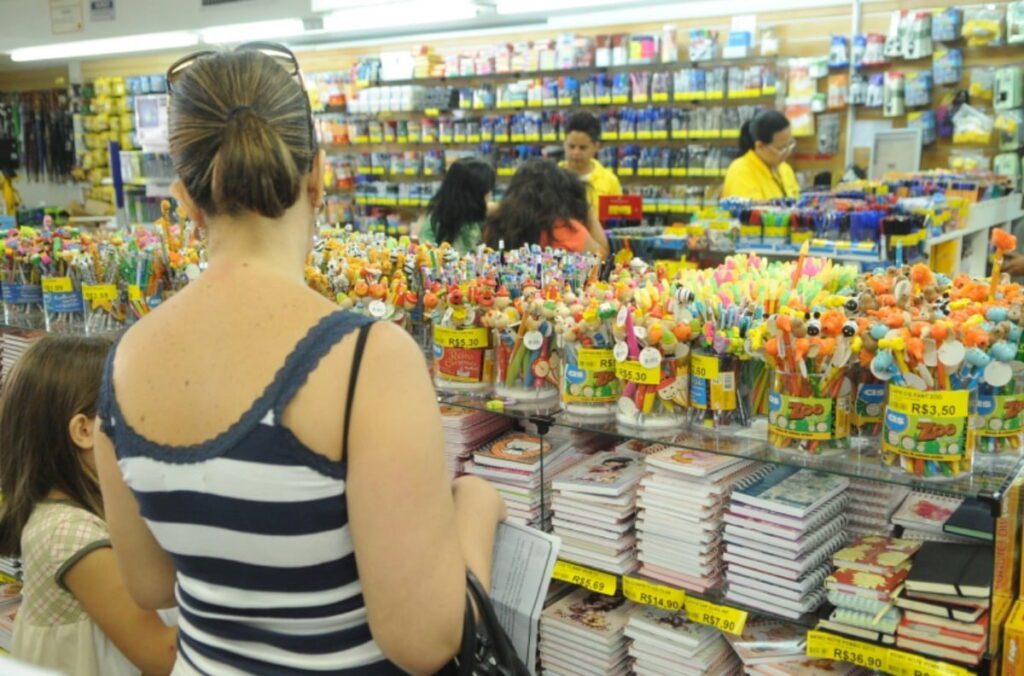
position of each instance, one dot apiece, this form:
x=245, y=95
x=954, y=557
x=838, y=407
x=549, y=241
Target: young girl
x=456, y=213
x=76, y=615
x=546, y=205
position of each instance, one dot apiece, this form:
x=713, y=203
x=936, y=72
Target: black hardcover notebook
x=972, y=519
x=945, y=568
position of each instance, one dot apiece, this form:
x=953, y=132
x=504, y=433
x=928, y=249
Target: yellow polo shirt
x=600, y=181
x=749, y=177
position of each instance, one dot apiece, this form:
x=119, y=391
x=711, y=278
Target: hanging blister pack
x=918, y=89
x=893, y=95
x=948, y=65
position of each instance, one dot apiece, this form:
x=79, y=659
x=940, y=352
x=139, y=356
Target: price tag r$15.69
x=594, y=580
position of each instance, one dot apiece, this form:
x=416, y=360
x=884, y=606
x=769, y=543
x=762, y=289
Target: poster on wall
x=101, y=10
x=66, y=17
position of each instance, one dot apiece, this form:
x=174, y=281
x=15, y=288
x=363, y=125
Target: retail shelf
x=850, y=253
x=730, y=617
x=989, y=480
x=418, y=145
x=455, y=80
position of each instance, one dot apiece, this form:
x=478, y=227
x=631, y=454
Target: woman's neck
x=252, y=242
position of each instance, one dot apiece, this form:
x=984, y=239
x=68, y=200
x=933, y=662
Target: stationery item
x=973, y=519
x=941, y=650
x=792, y=491
x=961, y=609
x=766, y=641
x=876, y=554
x=944, y=568
x=926, y=511
x=664, y=642
x=979, y=627
x=584, y=632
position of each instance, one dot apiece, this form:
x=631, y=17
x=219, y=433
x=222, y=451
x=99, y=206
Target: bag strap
x=353, y=378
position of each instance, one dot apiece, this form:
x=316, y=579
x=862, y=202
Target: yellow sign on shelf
x=723, y=618
x=635, y=372
x=594, y=580
x=652, y=594
x=829, y=646
x=468, y=339
x=901, y=663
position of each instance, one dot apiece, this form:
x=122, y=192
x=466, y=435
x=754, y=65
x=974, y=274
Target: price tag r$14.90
x=651, y=594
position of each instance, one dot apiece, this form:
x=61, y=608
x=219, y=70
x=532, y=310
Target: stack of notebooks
x=15, y=342
x=872, y=504
x=807, y=666
x=583, y=634
x=938, y=517
x=766, y=641
x=946, y=601
x=10, y=599
x=869, y=575
x=680, y=505
x=466, y=430
x=512, y=463
x=594, y=505
x=780, y=532
x=666, y=644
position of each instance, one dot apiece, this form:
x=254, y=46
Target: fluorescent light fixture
x=331, y=5
x=258, y=30
x=149, y=42
x=398, y=15
x=531, y=6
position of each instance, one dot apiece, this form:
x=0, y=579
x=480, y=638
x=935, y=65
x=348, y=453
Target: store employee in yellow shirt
x=582, y=140
x=761, y=172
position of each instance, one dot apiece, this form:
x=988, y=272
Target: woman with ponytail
x=761, y=171
x=457, y=212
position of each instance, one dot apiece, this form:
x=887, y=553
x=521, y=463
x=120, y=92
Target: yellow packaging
x=1013, y=641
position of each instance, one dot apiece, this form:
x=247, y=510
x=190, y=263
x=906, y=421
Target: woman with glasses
x=761, y=171
x=272, y=466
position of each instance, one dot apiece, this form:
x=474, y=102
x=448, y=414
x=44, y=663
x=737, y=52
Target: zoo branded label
x=592, y=379
x=926, y=425
x=868, y=406
x=1001, y=415
x=818, y=418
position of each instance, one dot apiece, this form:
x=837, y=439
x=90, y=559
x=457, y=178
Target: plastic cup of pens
x=868, y=408
x=105, y=311
x=653, y=389
x=717, y=404
x=23, y=302
x=589, y=386
x=63, y=309
x=526, y=362
x=463, y=358
x=999, y=417
x=810, y=413
x=928, y=434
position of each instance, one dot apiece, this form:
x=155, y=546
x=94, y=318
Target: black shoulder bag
x=486, y=649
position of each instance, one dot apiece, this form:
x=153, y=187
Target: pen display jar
x=868, y=408
x=999, y=417
x=463, y=358
x=756, y=378
x=105, y=310
x=23, y=304
x=810, y=414
x=589, y=386
x=717, y=401
x=654, y=390
x=928, y=434
x=526, y=362
x=62, y=305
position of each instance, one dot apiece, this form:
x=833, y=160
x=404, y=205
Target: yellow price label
x=829, y=646
x=467, y=339
x=431, y=112
x=651, y=594
x=592, y=359
x=57, y=285
x=723, y=618
x=938, y=404
x=901, y=663
x=659, y=97
x=704, y=366
x=99, y=293
x=594, y=580
x=135, y=293
x=635, y=372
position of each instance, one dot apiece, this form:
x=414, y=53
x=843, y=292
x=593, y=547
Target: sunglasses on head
x=280, y=54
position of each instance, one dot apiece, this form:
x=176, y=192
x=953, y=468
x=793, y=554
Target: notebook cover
x=792, y=491
x=876, y=554
x=926, y=511
x=606, y=473
x=953, y=569
x=972, y=519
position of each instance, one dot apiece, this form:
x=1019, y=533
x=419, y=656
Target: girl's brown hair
x=57, y=378
x=240, y=134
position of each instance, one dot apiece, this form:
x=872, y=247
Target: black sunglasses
x=281, y=55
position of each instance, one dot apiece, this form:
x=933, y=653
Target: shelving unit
x=995, y=480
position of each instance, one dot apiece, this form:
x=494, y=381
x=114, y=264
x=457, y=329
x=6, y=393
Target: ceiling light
x=398, y=15
x=259, y=30
x=133, y=43
x=530, y=6
x=329, y=5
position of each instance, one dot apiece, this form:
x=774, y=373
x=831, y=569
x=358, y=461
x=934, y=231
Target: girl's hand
x=1013, y=264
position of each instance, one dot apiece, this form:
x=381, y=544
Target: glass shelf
x=990, y=479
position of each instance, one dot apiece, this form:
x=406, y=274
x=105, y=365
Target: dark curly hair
x=540, y=196
x=461, y=198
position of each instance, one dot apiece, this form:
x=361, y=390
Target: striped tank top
x=257, y=526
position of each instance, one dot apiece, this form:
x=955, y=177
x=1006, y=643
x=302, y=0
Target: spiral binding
x=856, y=602
x=864, y=620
